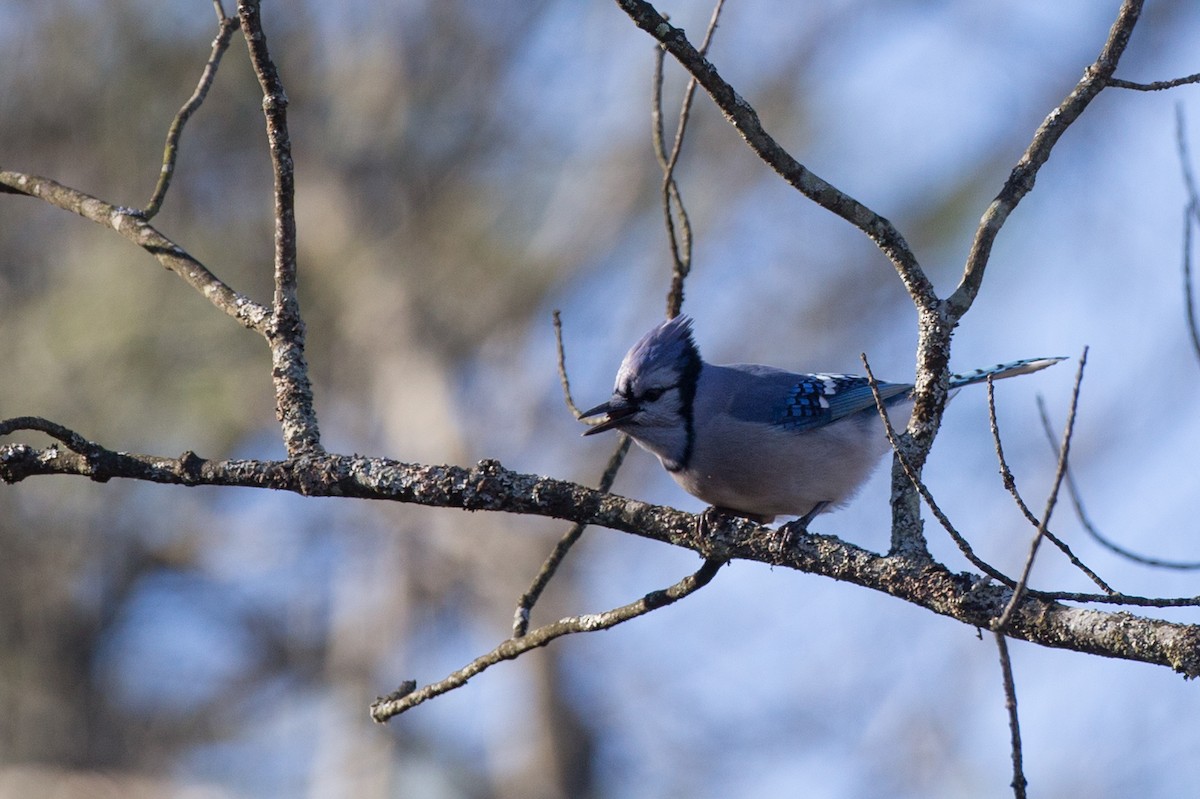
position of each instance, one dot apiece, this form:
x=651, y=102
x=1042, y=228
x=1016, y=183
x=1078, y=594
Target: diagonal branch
x=1064, y=452
x=131, y=226
x=225, y=28
x=1090, y=526
x=1021, y=179
x=743, y=117
x=559, y=553
x=1010, y=483
x=407, y=697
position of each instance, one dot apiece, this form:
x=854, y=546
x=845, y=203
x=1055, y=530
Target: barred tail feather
x=1002, y=370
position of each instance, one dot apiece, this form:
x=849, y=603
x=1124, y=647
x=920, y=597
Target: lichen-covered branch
x=289, y=369
x=488, y=486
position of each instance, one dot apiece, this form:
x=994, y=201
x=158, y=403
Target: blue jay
x=753, y=440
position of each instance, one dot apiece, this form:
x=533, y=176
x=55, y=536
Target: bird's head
x=655, y=387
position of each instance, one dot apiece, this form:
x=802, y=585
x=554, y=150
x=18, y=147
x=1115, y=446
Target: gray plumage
x=754, y=440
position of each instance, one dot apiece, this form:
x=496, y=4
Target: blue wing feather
x=819, y=399
x=802, y=402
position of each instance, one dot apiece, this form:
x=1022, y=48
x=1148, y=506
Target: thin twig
x=1051, y=500
x=1191, y=216
x=563, y=380
x=1156, y=86
x=1185, y=158
x=226, y=27
x=387, y=707
x=924, y=491
x=1094, y=531
x=745, y=119
x=1010, y=483
x=1132, y=600
x=1014, y=724
x=1189, y=302
x=681, y=241
x=74, y=441
x=554, y=559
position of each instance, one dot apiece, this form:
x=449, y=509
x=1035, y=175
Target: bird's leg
x=787, y=532
x=807, y=518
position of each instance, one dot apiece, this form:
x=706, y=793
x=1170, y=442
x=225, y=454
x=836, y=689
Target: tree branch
x=555, y=558
x=743, y=117
x=490, y=487
x=1064, y=451
x=1156, y=86
x=407, y=697
x=1014, y=722
x=129, y=224
x=1010, y=483
x=293, y=389
x=1021, y=179
x=225, y=28
x=672, y=200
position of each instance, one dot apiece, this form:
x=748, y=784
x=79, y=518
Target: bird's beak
x=616, y=411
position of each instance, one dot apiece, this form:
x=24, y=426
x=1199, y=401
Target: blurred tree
x=460, y=169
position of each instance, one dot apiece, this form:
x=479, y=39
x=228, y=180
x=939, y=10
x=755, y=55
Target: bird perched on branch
x=754, y=440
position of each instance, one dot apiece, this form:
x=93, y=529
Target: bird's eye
x=652, y=394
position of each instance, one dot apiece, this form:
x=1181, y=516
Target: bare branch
x=1021, y=179
x=387, y=707
x=1010, y=483
x=680, y=240
x=672, y=200
x=743, y=117
x=226, y=27
x=1064, y=451
x=1094, y=531
x=554, y=559
x=1191, y=217
x=1014, y=723
x=916, y=542
x=489, y=487
x=293, y=389
x=1189, y=301
x=129, y=224
x=1156, y=86
x=563, y=380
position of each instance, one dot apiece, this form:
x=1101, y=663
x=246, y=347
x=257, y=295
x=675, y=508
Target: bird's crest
x=668, y=346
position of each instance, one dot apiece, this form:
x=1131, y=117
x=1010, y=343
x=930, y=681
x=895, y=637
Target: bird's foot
x=786, y=534
x=710, y=517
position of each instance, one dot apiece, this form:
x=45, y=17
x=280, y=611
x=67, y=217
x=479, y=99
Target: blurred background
x=463, y=169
